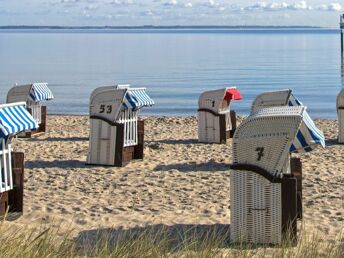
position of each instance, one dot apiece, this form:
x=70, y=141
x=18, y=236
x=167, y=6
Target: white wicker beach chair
x=340, y=113
x=116, y=133
x=216, y=122
x=263, y=187
x=274, y=99
x=14, y=118
x=32, y=95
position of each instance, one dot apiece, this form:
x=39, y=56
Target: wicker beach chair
x=116, y=133
x=32, y=95
x=340, y=113
x=274, y=99
x=14, y=118
x=263, y=182
x=216, y=122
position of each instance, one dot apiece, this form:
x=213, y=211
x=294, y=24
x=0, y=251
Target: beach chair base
x=42, y=126
x=125, y=154
x=213, y=126
x=12, y=201
x=264, y=209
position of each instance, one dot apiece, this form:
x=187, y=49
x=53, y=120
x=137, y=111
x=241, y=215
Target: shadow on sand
x=192, y=167
x=58, y=139
x=174, y=237
x=55, y=164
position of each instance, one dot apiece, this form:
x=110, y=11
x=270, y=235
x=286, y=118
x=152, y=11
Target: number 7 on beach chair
x=32, y=95
x=14, y=118
x=116, y=133
x=264, y=185
x=216, y=122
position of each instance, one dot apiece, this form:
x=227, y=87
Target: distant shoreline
x=22, y=27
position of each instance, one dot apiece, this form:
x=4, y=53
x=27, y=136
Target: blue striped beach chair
x=116, y=133
x=340, y=113
x=33, y=95
x=14, y=119
x=265, y=183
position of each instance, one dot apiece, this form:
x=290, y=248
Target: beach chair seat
x=14, y=119
x=340, y=113
x=264, y=181
x=116, y=133
x=216, y=122
x=32, y=95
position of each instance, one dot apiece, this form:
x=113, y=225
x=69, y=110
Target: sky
x=322, y=13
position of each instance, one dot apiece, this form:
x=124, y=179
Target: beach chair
x=264, y=180
x=216, y=122
x=14, y=118
x=32, y=95
x=116, y=133
x=275, y=99
x=340, y=113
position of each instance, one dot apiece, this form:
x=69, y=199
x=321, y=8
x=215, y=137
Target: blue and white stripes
x=15, y=118
x=40, y=91
x=308, y=136
x=292, y=102
x=136, y=99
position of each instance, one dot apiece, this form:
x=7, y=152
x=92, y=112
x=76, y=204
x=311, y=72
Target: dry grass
x=155, y=242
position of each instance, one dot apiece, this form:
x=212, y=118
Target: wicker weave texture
x=256, y=209
x=265, y=137
x=271, y=99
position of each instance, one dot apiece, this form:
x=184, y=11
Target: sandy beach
x=180, y=181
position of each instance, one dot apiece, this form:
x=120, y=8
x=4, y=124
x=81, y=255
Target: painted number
x=260, y=153
x=108, y=109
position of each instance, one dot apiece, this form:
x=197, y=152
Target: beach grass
x=155, y=242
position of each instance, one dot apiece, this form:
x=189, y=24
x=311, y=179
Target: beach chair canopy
x=107, y=102
x=14, y=118
x=267, y=137
x=136, y=98
x=35, y=92
x=214, y=99
x=275, y=99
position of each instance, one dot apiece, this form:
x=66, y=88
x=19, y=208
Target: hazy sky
x=170, y=12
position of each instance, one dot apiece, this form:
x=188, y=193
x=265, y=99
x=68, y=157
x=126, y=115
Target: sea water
x=175, y=65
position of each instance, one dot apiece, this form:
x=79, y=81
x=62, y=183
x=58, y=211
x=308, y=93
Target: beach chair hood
x=275, y=99
x=213, y=99
x=35, y=92
x=14, y=118
x=107, y=102
x=267, y=137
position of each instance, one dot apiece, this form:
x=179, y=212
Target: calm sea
x=175, y=65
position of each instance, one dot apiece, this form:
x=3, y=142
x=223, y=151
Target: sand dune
x=180, y=181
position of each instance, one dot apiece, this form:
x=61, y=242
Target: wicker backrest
x=213, y=100
x=340, y=99
x=106, y=102
x=265, y=137
x=271, y=99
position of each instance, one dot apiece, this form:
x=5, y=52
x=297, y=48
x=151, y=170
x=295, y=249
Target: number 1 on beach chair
x=216, y=122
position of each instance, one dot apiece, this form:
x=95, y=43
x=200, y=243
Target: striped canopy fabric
x=294, y=101
x=40, y=91
x=136, y=98
x=14, y=118
x=308, y=137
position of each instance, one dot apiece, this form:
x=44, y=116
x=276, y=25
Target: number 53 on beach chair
x=14, y=118
x=116, y=133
